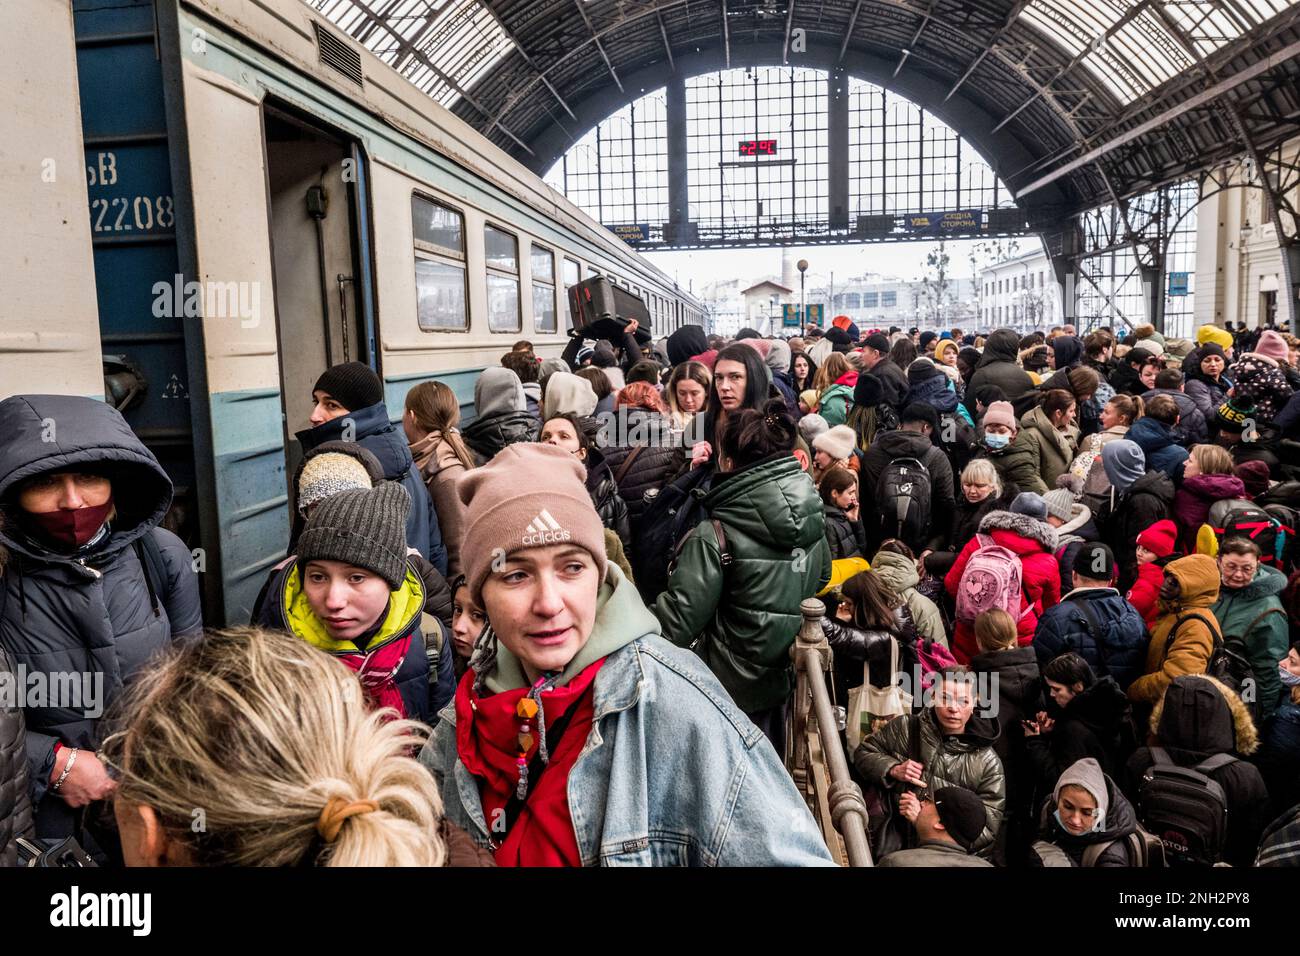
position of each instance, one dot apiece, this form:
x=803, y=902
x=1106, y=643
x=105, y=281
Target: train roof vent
x=337, y=54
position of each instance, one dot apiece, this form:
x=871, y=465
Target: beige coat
x=440, y=468
x=1055, y=449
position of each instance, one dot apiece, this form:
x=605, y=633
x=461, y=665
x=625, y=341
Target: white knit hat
x=837, y=442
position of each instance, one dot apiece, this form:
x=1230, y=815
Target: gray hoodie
x=498, y=390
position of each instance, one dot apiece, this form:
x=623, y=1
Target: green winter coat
x=901, y=577
x=741, y=620
x=967, y=760
x=1268, y=641
x=1017, y=464
x=834, y=404
x=1053, y=450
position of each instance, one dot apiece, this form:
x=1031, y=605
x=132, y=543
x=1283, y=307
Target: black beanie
x=839, y=339
x=922, y=370
x=364, y=528
x=962, y=814
x=353, y=385
x=920, y=412
x=927, y=337
x=869, y=392
x=687, y=341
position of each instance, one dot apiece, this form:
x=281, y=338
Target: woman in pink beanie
x=576, y=724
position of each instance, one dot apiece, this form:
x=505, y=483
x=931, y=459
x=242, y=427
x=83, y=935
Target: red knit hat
x=1159, y=538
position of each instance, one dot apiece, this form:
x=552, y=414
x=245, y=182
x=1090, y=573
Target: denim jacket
x=672, y=772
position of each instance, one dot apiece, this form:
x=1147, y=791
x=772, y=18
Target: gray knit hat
x=810, y=426
x=1060, y=500
x=366, y=529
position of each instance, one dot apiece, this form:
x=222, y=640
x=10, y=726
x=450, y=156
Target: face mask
x=997, y=441
x=1288, y=679
x=71, y=529
x=1097, y=824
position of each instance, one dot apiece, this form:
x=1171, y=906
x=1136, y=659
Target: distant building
x=875, y=301
x=763, y=302
x=1020, y=292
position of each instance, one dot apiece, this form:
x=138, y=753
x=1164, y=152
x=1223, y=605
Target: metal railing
x=814, y=754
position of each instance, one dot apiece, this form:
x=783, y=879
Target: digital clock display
x=758, y=147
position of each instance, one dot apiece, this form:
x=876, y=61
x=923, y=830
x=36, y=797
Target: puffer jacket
x=1123, y=516
x=1096, y=723
x=1260, y=380
x=833, y=404
x=1192, y=503
x=1207, y=393
x=1157, y=442
x=998, y=366
x=965, y=760
x=1053, y=450
x=1034, y=543
x=440, y=468
x=94, y=614
x=625, y=793
x=15, y=774
x=423, y=694
x=742, y=619
x=1192, y=428
x=604, y=495
x=1113, y=640
x=1198, y=574
x=853, y=647
x=1197, y=718
x=1279, y=757
x=1252, y=614
x=660, y=459
x=1121, y=821
x=901, y=577
x=1017, y=464
x=943, y=504
x=501, y=415
x=844, y=537
x=372, y=429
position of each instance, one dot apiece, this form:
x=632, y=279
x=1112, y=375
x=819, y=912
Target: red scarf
x=377, y=671
x=487, y=733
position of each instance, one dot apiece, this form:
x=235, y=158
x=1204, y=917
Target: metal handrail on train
x=814, y=754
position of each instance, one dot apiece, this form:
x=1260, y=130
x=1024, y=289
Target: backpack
x=1289, y=520
x=1229, y=662
x=1185, y=808
x=1144, y=850
x=670, y=514
x=990, y=579
x=903, y=495
x=1259, y=526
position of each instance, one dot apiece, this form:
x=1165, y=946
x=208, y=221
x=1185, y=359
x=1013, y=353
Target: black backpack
x=1229, y=661
x=669, y=516
x=1269, y=533
x=1185, y=807
x=903, y=494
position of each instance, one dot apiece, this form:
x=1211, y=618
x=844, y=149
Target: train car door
x=324, y=300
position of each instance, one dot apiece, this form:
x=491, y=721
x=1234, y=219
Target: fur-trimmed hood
x=1080, y=515
x=1029, y=528
x=1203, y=717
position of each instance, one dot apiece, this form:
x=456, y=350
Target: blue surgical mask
x=1288, y=679
x=997, y=441
x=1098, y=823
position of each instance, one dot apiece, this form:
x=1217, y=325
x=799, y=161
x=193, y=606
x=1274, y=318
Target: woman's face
x=847, y=499
x=948, y=357
x=997, y=428
x=542, y=605
x=467, y=622
x=822, y=461
x=800, y=367
x=690, y=395
x=1062, y=694
x=64, y=491
x=1077, y=809
x=348, y=600
x=729, y=380
x=1191, y=468
x=1148, y=375
x=1292, y=662
x=1110, y=416
x=975, y=491
x=560, y=433
x=1065, y=417
x=1212, y=365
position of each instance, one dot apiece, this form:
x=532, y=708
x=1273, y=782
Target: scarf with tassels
x=489, y=732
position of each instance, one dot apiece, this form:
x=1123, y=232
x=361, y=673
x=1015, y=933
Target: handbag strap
x=627, y=463
x=1169, y=641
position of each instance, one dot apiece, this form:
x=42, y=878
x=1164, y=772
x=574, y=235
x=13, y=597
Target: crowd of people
x=1058, y=573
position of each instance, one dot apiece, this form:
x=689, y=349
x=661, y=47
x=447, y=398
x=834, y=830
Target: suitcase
x=602, y=310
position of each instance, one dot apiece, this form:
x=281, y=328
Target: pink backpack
x=991, y=579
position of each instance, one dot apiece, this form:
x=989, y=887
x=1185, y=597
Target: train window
x=572, y=273
x=440, y=293
x=543, y=263
x=501, y=251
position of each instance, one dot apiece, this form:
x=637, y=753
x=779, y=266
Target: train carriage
x=262, y=198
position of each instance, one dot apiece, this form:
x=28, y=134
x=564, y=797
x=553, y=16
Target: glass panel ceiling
x=460, y=39
x=1133, y=46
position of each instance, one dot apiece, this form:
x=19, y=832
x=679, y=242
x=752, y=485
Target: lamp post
x=802, y=266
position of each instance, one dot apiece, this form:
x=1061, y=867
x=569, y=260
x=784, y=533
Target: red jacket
x=1040, y=576
x=1145, y=592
